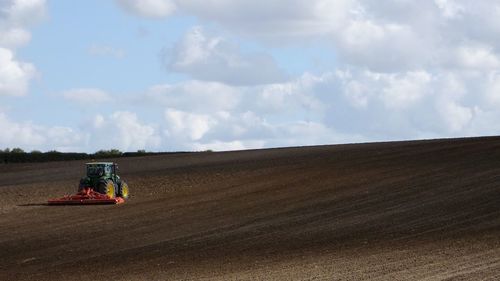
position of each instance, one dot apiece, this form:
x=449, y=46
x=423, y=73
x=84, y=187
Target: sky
x=192, y=75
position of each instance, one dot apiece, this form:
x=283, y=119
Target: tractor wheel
x=107, y=188
x=124, y=191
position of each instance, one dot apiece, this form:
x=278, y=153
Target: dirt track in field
x=425, y=210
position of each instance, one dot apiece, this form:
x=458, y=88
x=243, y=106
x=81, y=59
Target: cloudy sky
x=166, y=75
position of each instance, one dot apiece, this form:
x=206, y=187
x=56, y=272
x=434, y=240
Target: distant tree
x=36, y=152
x=115, y=152
x=53, y=153
x=17, y=150
x=108, y=153
x=7, y=150
x=141, y=151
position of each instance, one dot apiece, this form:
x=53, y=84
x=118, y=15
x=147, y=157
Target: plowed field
x=426, y=210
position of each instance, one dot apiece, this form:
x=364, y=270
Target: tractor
x=101, y=185
x=102, y=177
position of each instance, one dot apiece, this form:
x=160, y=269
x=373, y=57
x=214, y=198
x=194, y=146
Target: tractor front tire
x=107, y=188
x=124, y=191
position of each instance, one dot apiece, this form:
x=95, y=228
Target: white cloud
x=450, y=8
x=212, y=113
x=456, y=116
x=492, y=91
x=230, y=145
x=301, y=132
x=384, y=36
x=484, y=122
x=87, y=96
x=395, y=91
x=264, y=19
x=29, y=136
x=275, y=135
x=14, y=37
x=15, y=17
x=19, y=134
x=148, y=8
x=186, y=125
x=14, y=75
x=264, y=116
x=247, y=130
x=404, y=91
x=63, y=139
x=477, y=57
x=24, y=12
x=345, y=106
x=273, y=21
x=121, y=130
x=312, y=109
x=131, y=133
x=380, y=46
x=409, y=105
x=291, y=97
x=212, y=58
x=196, y=96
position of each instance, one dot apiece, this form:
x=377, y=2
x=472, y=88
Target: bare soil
x=426, y=210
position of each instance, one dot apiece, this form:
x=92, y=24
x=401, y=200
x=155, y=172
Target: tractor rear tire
x=107, y=188
x=124, y=191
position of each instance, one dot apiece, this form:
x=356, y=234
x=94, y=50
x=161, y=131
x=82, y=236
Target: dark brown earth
x=427, y=210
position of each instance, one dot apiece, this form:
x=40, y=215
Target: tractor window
x=108, y=170
x=94, y=171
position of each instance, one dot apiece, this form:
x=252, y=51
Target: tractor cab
x=101, y=169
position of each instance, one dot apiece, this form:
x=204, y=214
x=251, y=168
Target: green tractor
x=102, y=178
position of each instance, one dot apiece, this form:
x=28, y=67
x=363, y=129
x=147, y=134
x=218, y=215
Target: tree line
x=18, y=155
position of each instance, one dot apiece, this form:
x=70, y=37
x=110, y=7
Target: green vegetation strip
x=17, y=155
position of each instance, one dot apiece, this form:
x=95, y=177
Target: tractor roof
x=99, y=163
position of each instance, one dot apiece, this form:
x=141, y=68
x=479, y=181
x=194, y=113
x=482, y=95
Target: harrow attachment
x=86, y=196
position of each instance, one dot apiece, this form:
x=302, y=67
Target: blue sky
x=165, y=75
